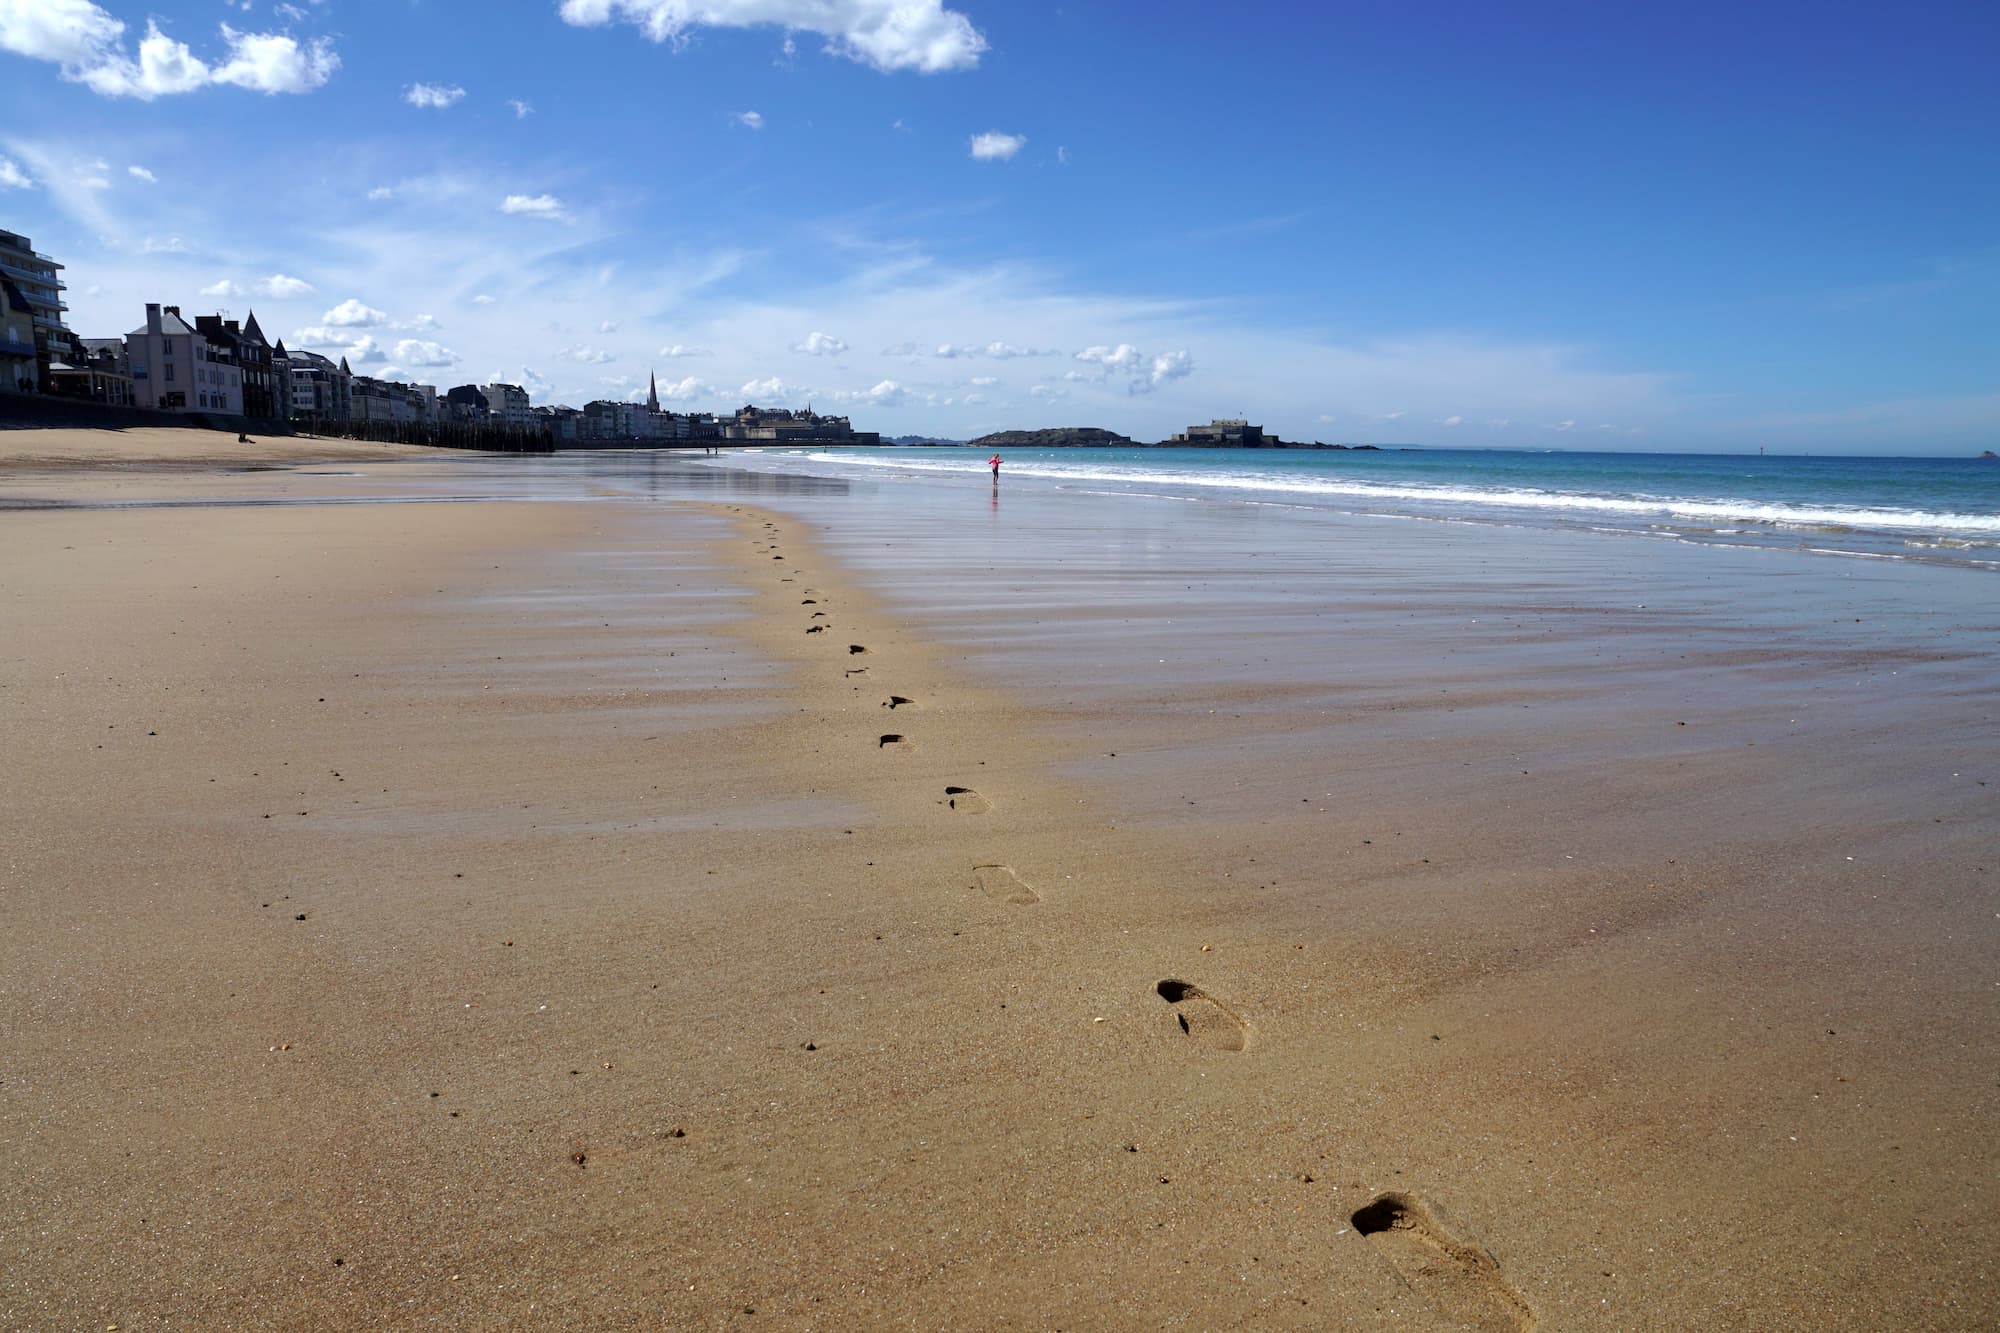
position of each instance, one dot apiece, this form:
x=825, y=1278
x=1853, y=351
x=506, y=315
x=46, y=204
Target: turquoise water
x=1943, y=510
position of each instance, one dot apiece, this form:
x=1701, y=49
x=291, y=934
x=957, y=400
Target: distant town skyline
x=1720, y=228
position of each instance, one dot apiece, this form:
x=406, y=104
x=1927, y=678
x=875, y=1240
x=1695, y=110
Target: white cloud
x=422, y=323
x=381, y=192
x=1141, y=373
x=12, y=177
x=1565, y=425
x=688, y=390
x=415, y=352
x=885, y=393
x=224, y=289
x=1452, y=421
x=283, y=286
x=89, y=45
x=352, y=314
x=1062, y=156
x=772, y=389
x=753, y=119
x=72, y=33
x=820, y=344
x=141, y=174
x=993, y=146
x=163, y=245
x=886, y=35
x=522, y=110
x=482, y=299
x=1048, y=392
x=533, y=206
x=434, y=96
x=607, y=326
x=586, y=356
x=984, y=381
x=275, y=63
x=680, y=350
x=1499, y=423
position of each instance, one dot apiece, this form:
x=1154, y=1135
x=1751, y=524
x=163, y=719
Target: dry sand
x=178, y=447
x=602, y=916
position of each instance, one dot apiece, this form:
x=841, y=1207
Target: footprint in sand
x=1203, y=1017
x=890, y=738
x=1460, y=1280
x=966, y=801
x=897, y=701
x=815, y=629
x=1001, y=884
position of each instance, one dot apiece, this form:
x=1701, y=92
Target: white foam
x=1717, y=510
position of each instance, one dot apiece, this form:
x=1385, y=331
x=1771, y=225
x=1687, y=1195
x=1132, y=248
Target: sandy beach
x=698, y=899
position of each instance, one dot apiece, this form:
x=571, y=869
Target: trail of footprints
x=1459, y=1279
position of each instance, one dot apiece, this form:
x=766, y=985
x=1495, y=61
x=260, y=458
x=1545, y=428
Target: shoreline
x=602, y=840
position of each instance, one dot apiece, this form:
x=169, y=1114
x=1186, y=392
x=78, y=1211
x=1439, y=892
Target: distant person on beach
x=995, y=461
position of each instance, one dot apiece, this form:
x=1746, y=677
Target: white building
x=175, y=369
x=507, y=405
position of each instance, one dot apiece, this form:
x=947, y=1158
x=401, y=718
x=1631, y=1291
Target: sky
x=1540, y=224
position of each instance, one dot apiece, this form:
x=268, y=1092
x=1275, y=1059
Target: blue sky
x=1572, y=225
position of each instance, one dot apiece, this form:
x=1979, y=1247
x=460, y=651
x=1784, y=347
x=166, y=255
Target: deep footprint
x=966, y=801
x=853, y=648
x=891, y=738
x=1001, y=884
x=1460, y=1280
x=1203, y=1017
x=897, y=701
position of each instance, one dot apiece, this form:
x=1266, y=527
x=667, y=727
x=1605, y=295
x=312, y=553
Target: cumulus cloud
x=163, y=245
x=417, y=352
x=768, y=390
x=1048, y=392
x=687, y=391
x=885, y=393
x=681, y=349
x=352, y=314
x=753, y=119
x=89, y=46
x=224, y=289
x=533, y=206
x=886, y=35
x=381, y=192
x=820, y=344
x=1452, y=421
x=522, y=110
x=586, y=356
x=283, y=286
x=422, y=323
x=993, y=146
x=433, y=96
x=141, y=174
x=12, y=177
x=1140, y=372
x=483, y=299
x=275, y=63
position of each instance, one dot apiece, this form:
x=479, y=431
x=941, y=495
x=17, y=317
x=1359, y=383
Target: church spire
x=652, y=392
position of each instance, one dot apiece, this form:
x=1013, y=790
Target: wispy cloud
x=433, y=96
x=886, y=35
x=753, y=119
x=545, y=206
x=142, y=174
x=12, y=177
x=522, y=110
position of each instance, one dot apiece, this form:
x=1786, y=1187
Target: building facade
x=18, y=371
x=321, y=389
x=35, y=277
x=176, y=369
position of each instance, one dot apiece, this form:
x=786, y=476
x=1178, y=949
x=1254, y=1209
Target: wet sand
x=505, y=915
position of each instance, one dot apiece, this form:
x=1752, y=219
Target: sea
x=1934, y=510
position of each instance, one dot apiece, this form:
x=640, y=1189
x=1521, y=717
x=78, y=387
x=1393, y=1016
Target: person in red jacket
x=995, y=462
